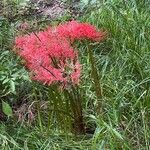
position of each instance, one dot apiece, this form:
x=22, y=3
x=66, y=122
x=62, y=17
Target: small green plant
x=7, y=109
x=11, y=73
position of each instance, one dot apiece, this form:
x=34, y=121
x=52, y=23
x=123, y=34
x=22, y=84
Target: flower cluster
x=78, y=31
x=48, y=54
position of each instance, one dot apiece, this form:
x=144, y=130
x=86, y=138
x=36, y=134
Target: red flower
x=75, y=30
x=49, y=56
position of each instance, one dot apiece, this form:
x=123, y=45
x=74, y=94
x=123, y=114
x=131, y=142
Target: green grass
x=125, y=74
x=123, y=61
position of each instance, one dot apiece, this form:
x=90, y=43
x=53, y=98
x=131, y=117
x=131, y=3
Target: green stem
x=76, y=107
x=38, y=110
x=95, y=77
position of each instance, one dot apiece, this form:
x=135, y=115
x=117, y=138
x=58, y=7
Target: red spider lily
x=49, y=56
x=78, y=31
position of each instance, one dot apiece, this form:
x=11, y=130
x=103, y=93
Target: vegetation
x=114, y=85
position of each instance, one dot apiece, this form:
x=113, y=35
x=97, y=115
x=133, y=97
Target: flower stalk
x=75, y=99
x=96, y=79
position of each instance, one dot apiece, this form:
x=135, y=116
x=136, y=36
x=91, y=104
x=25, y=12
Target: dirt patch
x=51, y=9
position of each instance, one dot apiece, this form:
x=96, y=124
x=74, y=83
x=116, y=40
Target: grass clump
x=124, y=69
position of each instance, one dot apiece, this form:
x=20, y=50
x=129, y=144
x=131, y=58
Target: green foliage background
x=123, y=61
